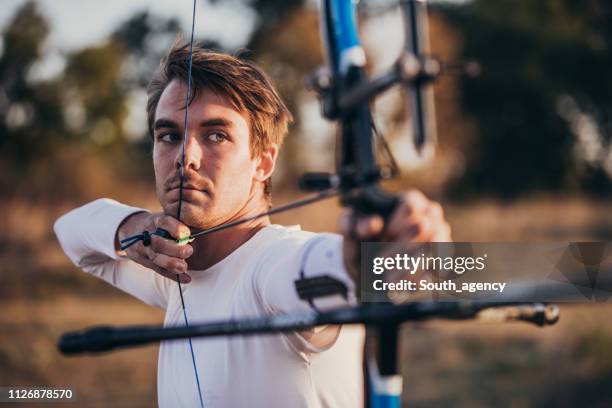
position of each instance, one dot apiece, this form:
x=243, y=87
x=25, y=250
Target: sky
x=77, y=23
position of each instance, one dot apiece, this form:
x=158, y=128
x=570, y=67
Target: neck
x=212, y=248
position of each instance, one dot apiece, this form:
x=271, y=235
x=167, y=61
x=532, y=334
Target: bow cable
x=180, y=202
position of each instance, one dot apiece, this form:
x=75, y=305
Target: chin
x=191, y=215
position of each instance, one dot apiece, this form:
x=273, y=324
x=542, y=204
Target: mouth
x=188, y=194
x=187, y=185
x=185, y=188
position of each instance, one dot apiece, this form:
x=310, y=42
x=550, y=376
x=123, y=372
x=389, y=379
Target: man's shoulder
x=285, y=242
x=293, y=235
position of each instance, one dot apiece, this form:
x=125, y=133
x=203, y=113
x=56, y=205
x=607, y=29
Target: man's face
x=220, y=175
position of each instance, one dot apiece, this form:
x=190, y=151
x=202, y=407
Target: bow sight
x=345, y=94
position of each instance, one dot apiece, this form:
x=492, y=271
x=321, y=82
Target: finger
x=443, y=234
x=182, y=277
x=171, y=264
x=435, y=211
x=415, y=230
x=411, y=204
x=441, y=229
x=170, y=248
x=413, y=201
x=360, y=227
x=174, y=227
x=403, y=225
x=345, y=223
x=370, y=226
x=411, y=218
x=437, y=228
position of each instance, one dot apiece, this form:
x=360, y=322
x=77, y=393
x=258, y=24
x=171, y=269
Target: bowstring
x=180, y=201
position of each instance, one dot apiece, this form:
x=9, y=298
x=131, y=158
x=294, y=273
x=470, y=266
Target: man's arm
x=301, y=255
x=416, y=219
x=88, y=237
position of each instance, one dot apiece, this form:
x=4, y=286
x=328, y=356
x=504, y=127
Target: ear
x=267, y=161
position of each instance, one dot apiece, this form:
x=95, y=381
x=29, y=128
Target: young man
x=236, y=124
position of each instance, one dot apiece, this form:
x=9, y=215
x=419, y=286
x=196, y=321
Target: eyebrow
x=167, y=123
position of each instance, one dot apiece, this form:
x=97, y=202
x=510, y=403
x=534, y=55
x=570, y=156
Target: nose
x=193, y=154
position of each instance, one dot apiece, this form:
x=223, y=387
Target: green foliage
x=93, y=75
x=28, y=114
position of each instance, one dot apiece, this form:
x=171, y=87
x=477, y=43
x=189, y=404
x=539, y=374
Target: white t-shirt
x=280, y=370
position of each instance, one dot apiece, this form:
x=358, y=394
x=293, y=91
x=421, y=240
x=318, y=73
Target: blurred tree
x=542, y=105
x=92, y=79
x=30, y=111
x=100, y=81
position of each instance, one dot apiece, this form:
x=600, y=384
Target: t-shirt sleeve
x=87, y=236
x=310, y=255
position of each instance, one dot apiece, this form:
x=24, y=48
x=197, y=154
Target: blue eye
x=217, y=137
x=170, y=137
